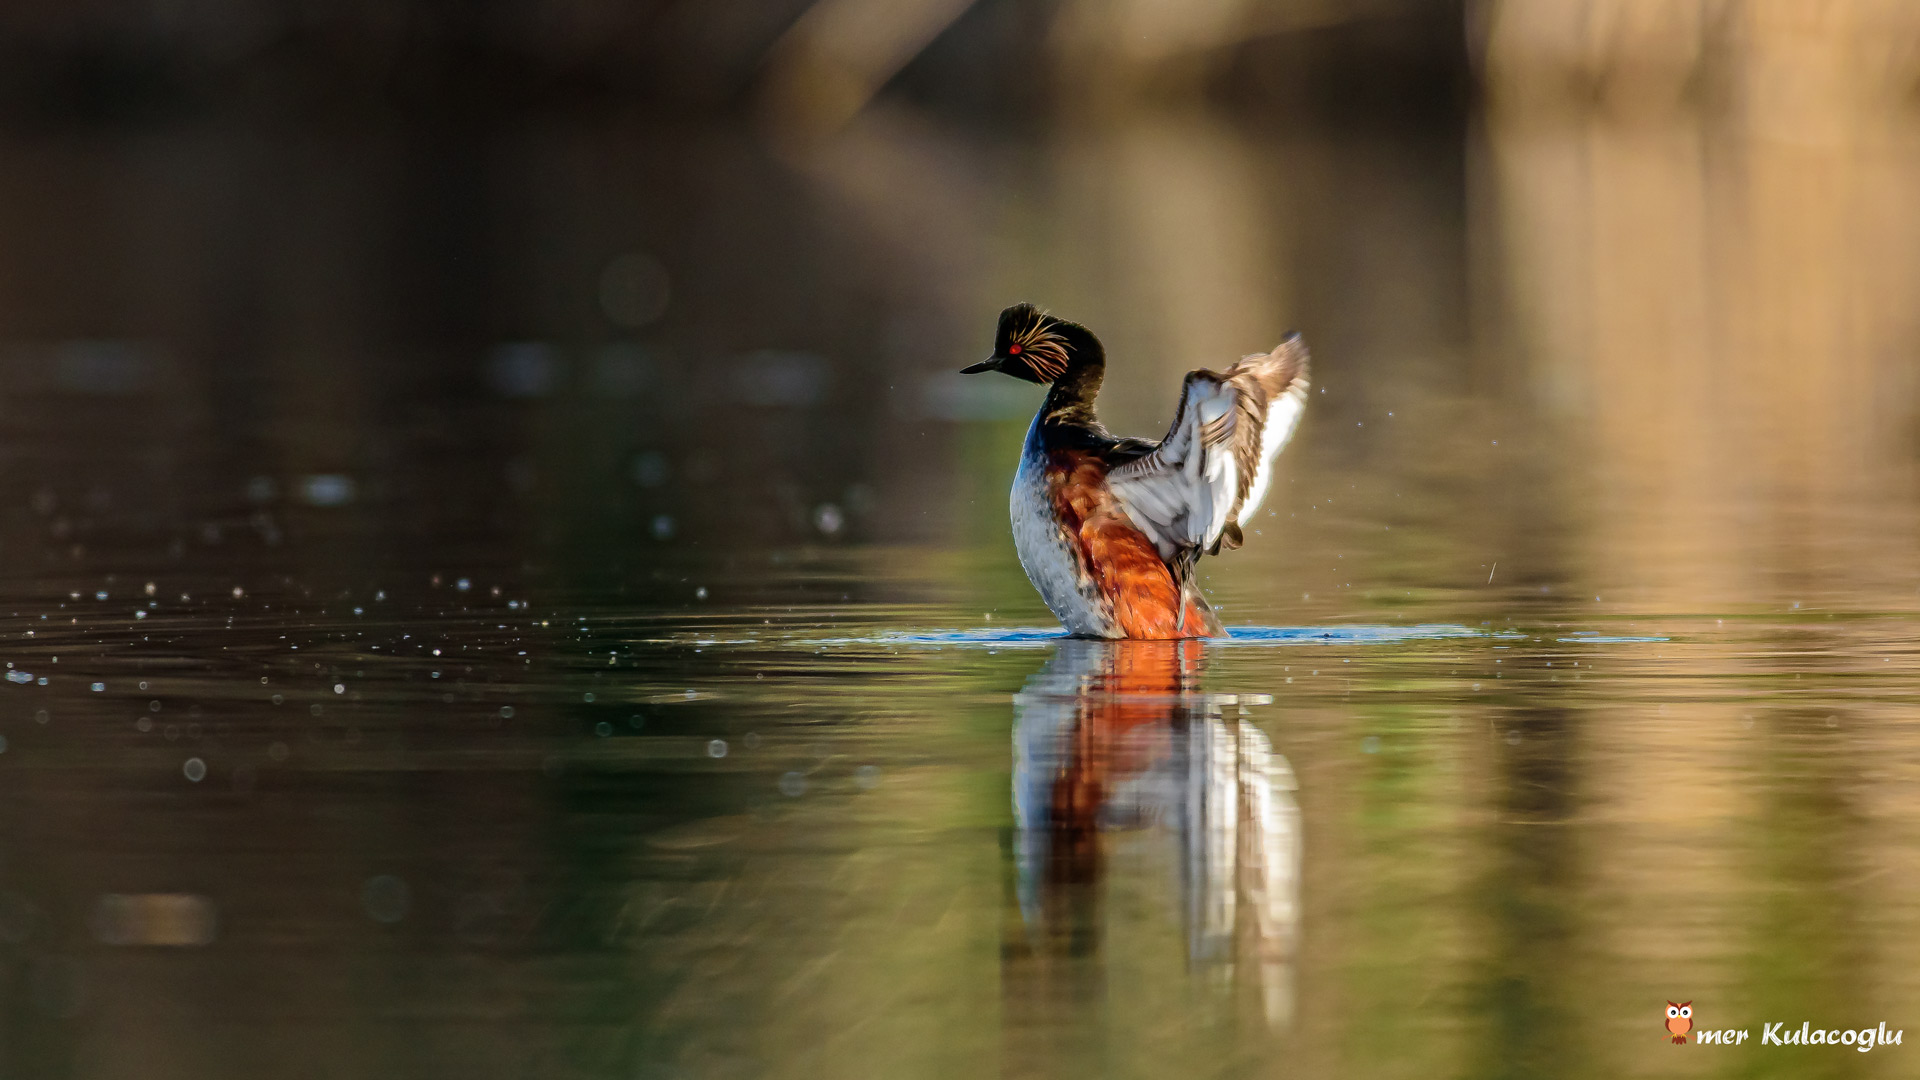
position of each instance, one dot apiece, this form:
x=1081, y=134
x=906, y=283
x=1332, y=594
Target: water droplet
x=194, y=770
x=829, y=519
x=327, y=489
x=793, y=784
x=717, y=748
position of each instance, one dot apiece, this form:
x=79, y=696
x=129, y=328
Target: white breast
x=1050, y=559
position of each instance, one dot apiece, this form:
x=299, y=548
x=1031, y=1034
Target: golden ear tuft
x=1045, y=351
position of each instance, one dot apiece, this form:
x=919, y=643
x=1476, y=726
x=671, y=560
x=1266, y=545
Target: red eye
x=1013, y=350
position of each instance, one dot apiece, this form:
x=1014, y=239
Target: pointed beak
x=991, y=363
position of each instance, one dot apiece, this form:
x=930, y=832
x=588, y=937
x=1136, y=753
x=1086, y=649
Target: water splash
x=1351, y=634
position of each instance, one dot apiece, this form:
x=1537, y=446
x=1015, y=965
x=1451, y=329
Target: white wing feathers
x=1211, y=471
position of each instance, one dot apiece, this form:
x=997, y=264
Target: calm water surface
x=474, y=828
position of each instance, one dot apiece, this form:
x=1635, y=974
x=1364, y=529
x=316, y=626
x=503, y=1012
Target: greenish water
x=606, y=839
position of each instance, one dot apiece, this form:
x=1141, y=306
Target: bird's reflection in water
x=1113, y=736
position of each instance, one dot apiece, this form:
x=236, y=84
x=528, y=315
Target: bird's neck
x=1070, y=399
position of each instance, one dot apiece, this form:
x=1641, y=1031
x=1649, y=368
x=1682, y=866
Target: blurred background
x=646, y=317
x=591, y=273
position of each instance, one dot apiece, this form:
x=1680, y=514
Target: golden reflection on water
x=1706, y=274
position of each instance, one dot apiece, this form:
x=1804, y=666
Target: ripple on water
x=1040, y=637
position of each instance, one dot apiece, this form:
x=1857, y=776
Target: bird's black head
x=1033, y=345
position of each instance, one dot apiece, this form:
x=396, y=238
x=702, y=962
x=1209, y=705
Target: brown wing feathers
x=1259, y=379
x=1193, y=487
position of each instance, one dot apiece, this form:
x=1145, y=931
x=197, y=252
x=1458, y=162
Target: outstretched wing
x=1211, y=471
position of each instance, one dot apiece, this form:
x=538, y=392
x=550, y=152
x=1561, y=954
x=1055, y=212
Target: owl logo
x=1679, y=1019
